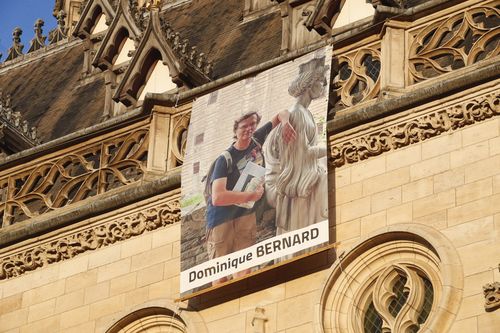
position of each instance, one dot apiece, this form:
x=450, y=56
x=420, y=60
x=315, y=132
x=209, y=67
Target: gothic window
x=395, y=281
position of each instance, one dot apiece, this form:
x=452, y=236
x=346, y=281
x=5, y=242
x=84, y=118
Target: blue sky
x=23, y=14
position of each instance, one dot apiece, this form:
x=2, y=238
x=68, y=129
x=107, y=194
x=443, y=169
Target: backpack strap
x=229, y=161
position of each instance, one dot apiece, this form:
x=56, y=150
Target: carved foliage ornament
x=73, y=176
x=90, y=239
x=357, y=77
x=492, y=296
x=416, y=130
x=459, y=41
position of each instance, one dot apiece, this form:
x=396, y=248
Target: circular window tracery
x=393, y=282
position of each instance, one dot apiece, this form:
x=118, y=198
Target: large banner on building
x=254, y=179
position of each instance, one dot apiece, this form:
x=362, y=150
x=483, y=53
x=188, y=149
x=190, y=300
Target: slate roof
x=49, y=95
x=220, y=32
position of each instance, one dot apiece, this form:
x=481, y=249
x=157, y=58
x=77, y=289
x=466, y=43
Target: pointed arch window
x=100, y=24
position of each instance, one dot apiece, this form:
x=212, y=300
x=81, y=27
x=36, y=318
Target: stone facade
x=90, y=221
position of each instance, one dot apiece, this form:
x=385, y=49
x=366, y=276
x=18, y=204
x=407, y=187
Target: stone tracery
x=72, y=177
x=456, y=42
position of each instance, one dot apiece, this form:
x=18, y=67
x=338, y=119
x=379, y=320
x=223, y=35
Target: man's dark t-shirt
x=219, y=214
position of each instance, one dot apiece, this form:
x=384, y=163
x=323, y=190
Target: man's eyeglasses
x=247, y=126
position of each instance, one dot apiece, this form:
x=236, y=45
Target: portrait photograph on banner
x=254, y=178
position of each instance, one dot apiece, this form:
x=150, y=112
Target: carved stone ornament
x=14, y=121
x=38, y=40
x=357, y=77
x=415, y=130
x=139, y=13
x=491, y=293
x=17, y=48
x=384, y=296
x=60, y=32
x=186, y=52
x=456, y=42
x=122, y=228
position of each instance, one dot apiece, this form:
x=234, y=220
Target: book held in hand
x=251, y=177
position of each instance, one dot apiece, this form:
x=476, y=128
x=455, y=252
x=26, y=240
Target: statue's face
x=246, y=128
x=317, y=89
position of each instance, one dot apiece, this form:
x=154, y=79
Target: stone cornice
x=153, y=215
x=394, y=135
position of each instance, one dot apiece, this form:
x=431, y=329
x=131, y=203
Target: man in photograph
x=231, y=227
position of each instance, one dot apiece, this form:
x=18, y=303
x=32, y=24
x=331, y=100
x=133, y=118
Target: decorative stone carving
x=74, y=175
x=357, y=77
x=17, y=48
x=93, y=238
x=384, y=298
x=415, y=130
x=14, y=121
x=139, y=13
x=38, y=40
x=491, y=293
x=455, y=42
x=184, y=50
x=60, y=32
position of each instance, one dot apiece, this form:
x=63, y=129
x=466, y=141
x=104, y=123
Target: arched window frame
x=343, y=297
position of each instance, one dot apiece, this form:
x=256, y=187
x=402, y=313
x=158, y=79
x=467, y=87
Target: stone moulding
x=154, y=216
x=415, y=130
x=491, y=296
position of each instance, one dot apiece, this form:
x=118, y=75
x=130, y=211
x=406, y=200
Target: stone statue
x=296, y=179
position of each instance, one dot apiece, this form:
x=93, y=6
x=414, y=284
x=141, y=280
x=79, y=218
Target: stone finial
x=60, y=32
x=38, y=40
x=491, y=293
x=17, y=48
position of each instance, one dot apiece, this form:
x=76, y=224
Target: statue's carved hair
x=309, y=73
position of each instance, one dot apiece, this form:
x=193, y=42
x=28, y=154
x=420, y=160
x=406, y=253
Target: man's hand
x=257, y=194
x=288, y=132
